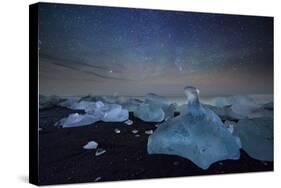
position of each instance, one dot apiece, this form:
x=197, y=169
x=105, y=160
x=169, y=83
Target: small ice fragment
x=117, y=131
x=100, y=151
x=129, y=122
x=91, y=145
x=135, y=131
x=137, y=135
x=98, y=179
x=149, y=132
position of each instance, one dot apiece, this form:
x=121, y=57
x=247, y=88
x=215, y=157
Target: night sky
x=105, y=51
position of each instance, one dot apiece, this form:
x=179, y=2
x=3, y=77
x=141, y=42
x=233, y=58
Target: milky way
x=103, y=50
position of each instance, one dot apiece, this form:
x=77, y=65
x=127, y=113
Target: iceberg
x=256, y=137
x=198, y=135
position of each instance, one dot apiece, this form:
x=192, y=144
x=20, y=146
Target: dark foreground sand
x=62, y=158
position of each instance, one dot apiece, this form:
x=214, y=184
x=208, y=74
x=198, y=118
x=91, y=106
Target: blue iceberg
x=198, y=135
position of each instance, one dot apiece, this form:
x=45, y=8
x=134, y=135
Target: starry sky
x=106, y=51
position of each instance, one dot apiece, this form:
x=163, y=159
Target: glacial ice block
x=162, y=102
x=49, y=101
x=115, y=113
x=150, y=113
x=95, y=111
x=77, y=120
x=256, y=137
x=198, y=135
x=225, y=113
x=69, y=102
x=155, y=109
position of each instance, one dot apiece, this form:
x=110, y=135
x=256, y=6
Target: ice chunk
x=84, y=105
x=226, y=113
x=115, y=113
x=100, y=151
x=162, y=102
x=198, y=135
x=49, y=101
x=256, y=137
x=129, y=122
x=90, y=107
x=77, y=120
x=69, y=102
x=95, y=111
x=244, y=106
x=154, y=109
x=98, y=178
x=91, y=145
x=135, y=131
x=117, y=131
x=150, y=113
x=149, y=132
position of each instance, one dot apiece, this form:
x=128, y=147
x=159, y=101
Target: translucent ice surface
x=77, y=120
x=162, y=102
x=91, y=145
x=198, y=135
x=49, y=101
x=115, y=114
x=95, y=111
x=150, y=113
x=155, y=109
x=256, y=137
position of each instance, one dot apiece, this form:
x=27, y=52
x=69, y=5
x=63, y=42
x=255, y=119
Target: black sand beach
x=63, y=159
